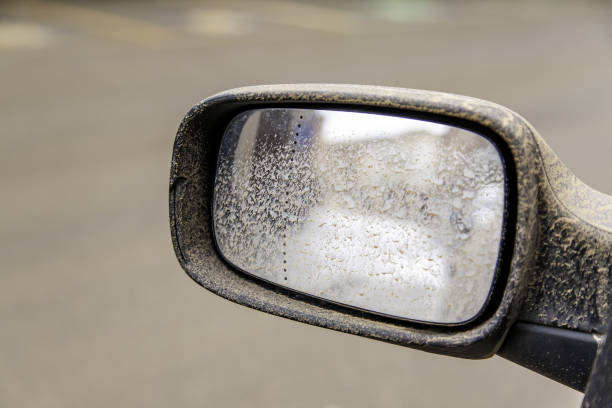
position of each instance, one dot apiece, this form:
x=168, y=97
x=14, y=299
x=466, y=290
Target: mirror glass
x=393, y=215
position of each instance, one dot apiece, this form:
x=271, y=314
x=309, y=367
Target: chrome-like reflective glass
x=397, y=216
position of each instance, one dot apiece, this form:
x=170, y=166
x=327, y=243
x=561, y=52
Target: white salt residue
x=407, y=224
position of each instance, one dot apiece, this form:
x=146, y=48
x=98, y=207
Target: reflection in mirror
x=397, y=216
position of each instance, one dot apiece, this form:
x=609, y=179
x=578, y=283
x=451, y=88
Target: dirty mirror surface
x=396, y=216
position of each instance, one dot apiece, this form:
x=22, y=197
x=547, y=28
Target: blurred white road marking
x=15, y=35
x=108, y=25
x=217, y=22
x=406, y=11
x=311, y=17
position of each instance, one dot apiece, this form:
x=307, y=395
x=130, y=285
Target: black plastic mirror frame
x=558, y=269
x=193, y=165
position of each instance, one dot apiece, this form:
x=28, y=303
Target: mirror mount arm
x=565, y=356
x=598, y=389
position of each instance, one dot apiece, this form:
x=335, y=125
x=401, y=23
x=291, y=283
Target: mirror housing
x=552, y=218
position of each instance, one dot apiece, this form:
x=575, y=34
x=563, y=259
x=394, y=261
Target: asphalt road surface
x=95, y=310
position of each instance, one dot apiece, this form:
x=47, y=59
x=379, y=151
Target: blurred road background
x=95, y=310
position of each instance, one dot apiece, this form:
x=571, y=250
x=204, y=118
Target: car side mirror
x=429, y=220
